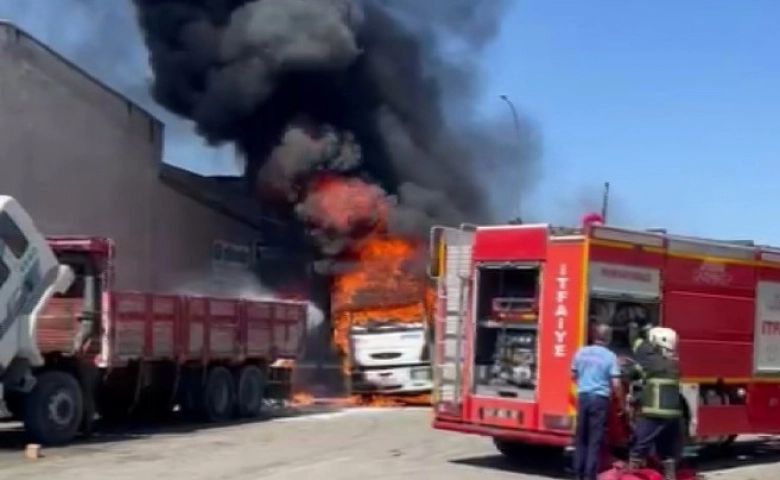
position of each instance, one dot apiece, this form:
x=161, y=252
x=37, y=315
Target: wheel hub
x=61, y=408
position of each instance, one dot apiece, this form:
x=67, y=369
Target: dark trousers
x=591, y=425
x=661, y=435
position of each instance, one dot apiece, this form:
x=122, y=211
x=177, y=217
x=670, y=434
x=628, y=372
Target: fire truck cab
x=514, y=303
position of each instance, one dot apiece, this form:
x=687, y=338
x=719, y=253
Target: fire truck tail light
x=557, y=422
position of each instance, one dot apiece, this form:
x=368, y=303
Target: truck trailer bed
x=183, y=329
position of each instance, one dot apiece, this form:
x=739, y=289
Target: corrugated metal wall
x=83, y=160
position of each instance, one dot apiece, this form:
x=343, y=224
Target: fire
x=376, y=288
x=382, y=281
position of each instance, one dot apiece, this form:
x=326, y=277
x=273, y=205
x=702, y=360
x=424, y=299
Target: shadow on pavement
x=12, y=436
x=741, y=454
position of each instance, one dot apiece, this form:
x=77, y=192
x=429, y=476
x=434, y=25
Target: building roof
x=20, y=32
x=227, y=195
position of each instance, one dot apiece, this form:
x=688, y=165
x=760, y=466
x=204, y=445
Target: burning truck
x=381, y=323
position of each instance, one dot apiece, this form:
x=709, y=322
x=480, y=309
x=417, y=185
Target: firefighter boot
x=669, y=469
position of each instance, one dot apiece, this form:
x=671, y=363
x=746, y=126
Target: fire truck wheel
x=251, y=391
x=54, y=409
x=219, y=396
x=519, y=452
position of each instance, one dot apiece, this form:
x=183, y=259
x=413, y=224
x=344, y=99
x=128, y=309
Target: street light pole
x=605, y=202
x=519, y=139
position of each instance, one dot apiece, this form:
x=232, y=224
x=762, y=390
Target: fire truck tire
x=519, y=452
x=54, y=409
x=250, y=393
x=219, y=395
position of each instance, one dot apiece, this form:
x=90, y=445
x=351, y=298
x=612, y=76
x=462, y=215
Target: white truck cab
x=29, y=275
x=390, y=357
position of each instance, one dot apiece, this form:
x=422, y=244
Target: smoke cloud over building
x=345, y=91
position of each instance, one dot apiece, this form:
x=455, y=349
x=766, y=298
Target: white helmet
x=664, y=338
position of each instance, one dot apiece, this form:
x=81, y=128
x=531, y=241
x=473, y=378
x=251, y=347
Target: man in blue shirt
x=595, y=369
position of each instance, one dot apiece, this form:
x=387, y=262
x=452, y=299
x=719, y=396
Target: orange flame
x=381, y=283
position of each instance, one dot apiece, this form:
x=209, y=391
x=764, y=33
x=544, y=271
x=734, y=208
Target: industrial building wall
x=84, y=160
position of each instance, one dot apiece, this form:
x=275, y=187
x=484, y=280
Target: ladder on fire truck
x=451, y=262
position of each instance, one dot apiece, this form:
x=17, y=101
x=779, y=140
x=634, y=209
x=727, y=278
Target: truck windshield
x=81, y=264
x=12, y=236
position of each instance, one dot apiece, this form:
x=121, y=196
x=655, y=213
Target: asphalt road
x=355, y=444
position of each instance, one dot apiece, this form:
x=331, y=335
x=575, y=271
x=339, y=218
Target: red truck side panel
x=159, y=327
x=259, y=329
x=718, y=294
x=223, y=323
x=709, y=299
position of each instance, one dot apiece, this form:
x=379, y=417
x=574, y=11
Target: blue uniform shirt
x=593, y=368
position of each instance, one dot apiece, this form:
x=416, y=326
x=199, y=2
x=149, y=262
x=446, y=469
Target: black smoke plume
x=358, y=89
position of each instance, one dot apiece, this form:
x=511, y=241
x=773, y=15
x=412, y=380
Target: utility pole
x=605, y=202
x=519, y=139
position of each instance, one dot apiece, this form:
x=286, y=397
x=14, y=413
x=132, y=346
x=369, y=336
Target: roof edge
x=4, y=22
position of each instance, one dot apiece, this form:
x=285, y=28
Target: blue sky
x=676, y=103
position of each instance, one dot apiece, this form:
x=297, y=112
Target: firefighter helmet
x=663, y=337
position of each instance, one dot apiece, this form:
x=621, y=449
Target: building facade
x=84, y=160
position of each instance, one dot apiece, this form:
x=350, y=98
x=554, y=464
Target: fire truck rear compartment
x=505, y=354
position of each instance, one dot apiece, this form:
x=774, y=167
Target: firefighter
x=657, y=424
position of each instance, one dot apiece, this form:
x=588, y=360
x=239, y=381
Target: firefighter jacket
x=660, y=380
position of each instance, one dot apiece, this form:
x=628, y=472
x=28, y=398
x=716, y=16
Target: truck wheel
x=54, y=409
x=251, y=391
x=191, y=394
x=219, y=397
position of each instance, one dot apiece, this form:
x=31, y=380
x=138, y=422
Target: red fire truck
x=515, y=303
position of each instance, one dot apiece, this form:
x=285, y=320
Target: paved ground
x=359, y=444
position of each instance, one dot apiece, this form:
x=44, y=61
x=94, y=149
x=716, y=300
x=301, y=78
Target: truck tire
x=191, y=395
x=250, y=393
x=54, y=409
x=219, y=399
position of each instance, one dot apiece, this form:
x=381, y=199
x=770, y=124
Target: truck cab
x=30, y=275
x=388, y=356
x=71, y=321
